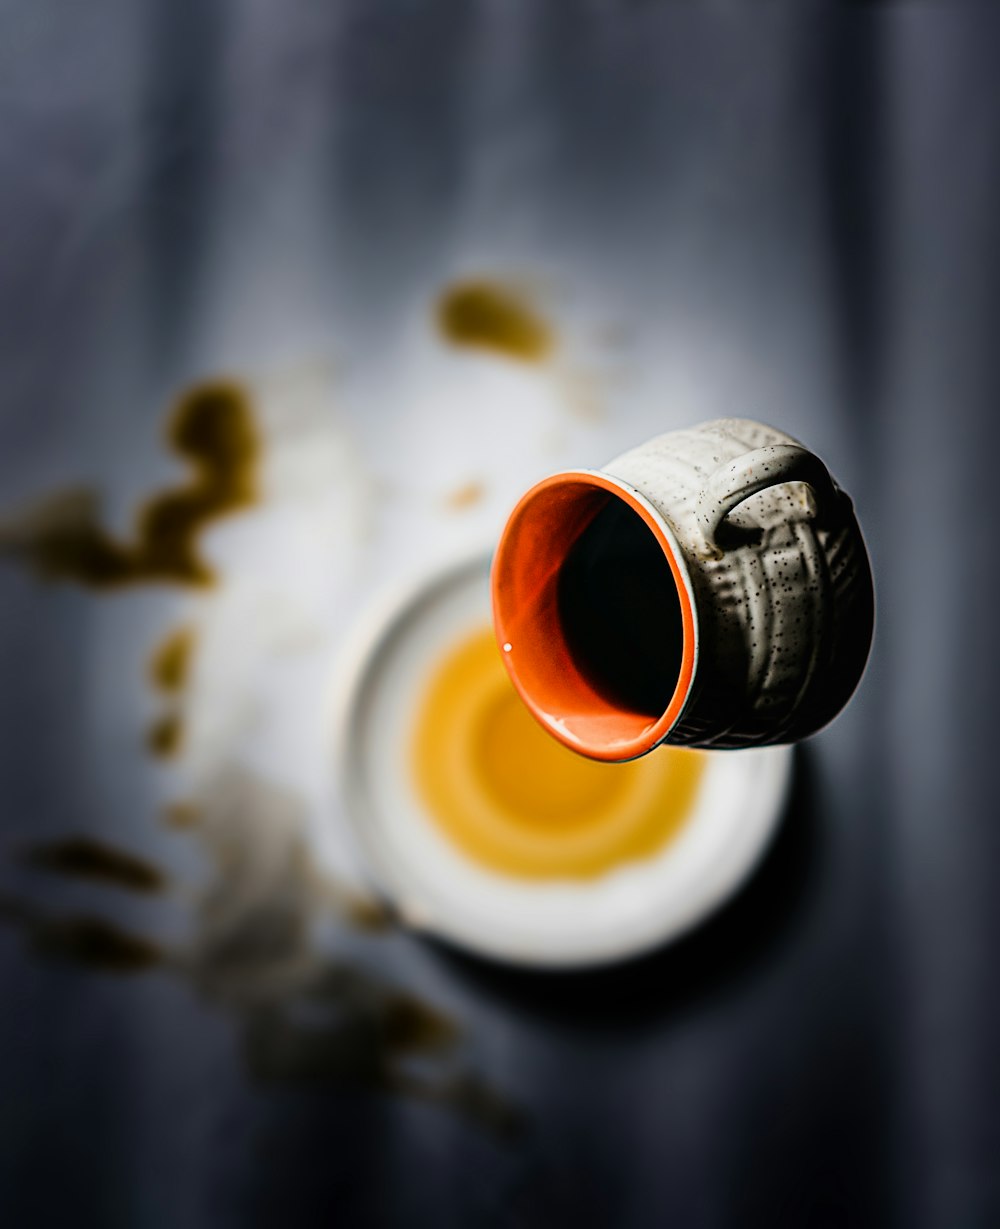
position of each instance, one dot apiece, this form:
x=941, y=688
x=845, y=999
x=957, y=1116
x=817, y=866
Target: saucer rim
x=386, y=616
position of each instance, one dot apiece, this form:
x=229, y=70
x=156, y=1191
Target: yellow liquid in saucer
x=515, y=800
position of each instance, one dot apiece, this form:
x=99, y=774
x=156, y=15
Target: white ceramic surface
x=441, y=892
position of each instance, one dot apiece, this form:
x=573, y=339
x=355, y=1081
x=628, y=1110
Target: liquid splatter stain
x=165, y=735
x=82, y=857
x=169, y=668
x=302, y=1016
x=490, y=316
x=465, y=496
x=305, y=1017
x=211, y=429
x=170, y=663
x=468, y=1095
x=252, y=948
x=81, y=939
x=181, y=815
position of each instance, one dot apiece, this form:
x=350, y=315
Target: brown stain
x=300, y=1015
x=358, y=1031
x=343, y=1024
x=255, y=913
x=165, y=736
x=465, y=496
x=181, y=815
x=467, y=1094
x=82, y=857
x=409, y=1026
x=169, y=668
x=362, y=912
x=81, y=939
x=488, y=315
x=170, y=664
x=365, y=913
x=303, y=1016
x=213, y=431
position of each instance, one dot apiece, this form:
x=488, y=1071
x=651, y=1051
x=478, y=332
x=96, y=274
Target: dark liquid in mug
x=620, y=611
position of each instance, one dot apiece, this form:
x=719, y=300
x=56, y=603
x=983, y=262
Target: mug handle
x=753, y=471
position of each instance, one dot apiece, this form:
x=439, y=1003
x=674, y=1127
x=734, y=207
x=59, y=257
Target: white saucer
x=437, y=890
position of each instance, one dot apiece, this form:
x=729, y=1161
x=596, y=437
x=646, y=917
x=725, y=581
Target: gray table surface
x=789, y=212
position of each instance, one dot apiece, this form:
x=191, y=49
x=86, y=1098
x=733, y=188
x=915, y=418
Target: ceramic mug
x=710, y=588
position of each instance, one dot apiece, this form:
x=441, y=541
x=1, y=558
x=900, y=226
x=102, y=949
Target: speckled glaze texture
x=780, y=575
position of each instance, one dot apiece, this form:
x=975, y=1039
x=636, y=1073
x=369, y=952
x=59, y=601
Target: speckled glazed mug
x=710, y=588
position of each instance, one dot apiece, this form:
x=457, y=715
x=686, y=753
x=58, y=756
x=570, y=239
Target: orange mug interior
x=531, y=624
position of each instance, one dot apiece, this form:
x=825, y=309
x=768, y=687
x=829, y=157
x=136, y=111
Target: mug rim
x=617, y=749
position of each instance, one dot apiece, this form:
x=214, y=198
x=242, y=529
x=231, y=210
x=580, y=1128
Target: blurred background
x=295, y=300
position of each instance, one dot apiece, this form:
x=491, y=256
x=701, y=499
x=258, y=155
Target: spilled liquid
x=81, y=939
x=465, y=496
x=171, y=660
x=83, y=857
x=513, y=799
x=166, y=735
x=301, y=1012
x=212, y=430
x=181, y=815
x=169, y=668
x=490, y=316
x=302, y=1015
x=619, y=611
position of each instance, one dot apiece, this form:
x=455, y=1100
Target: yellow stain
x=493, y=317
x=515, y=800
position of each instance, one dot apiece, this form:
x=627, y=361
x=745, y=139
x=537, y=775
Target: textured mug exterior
x=779, y=574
